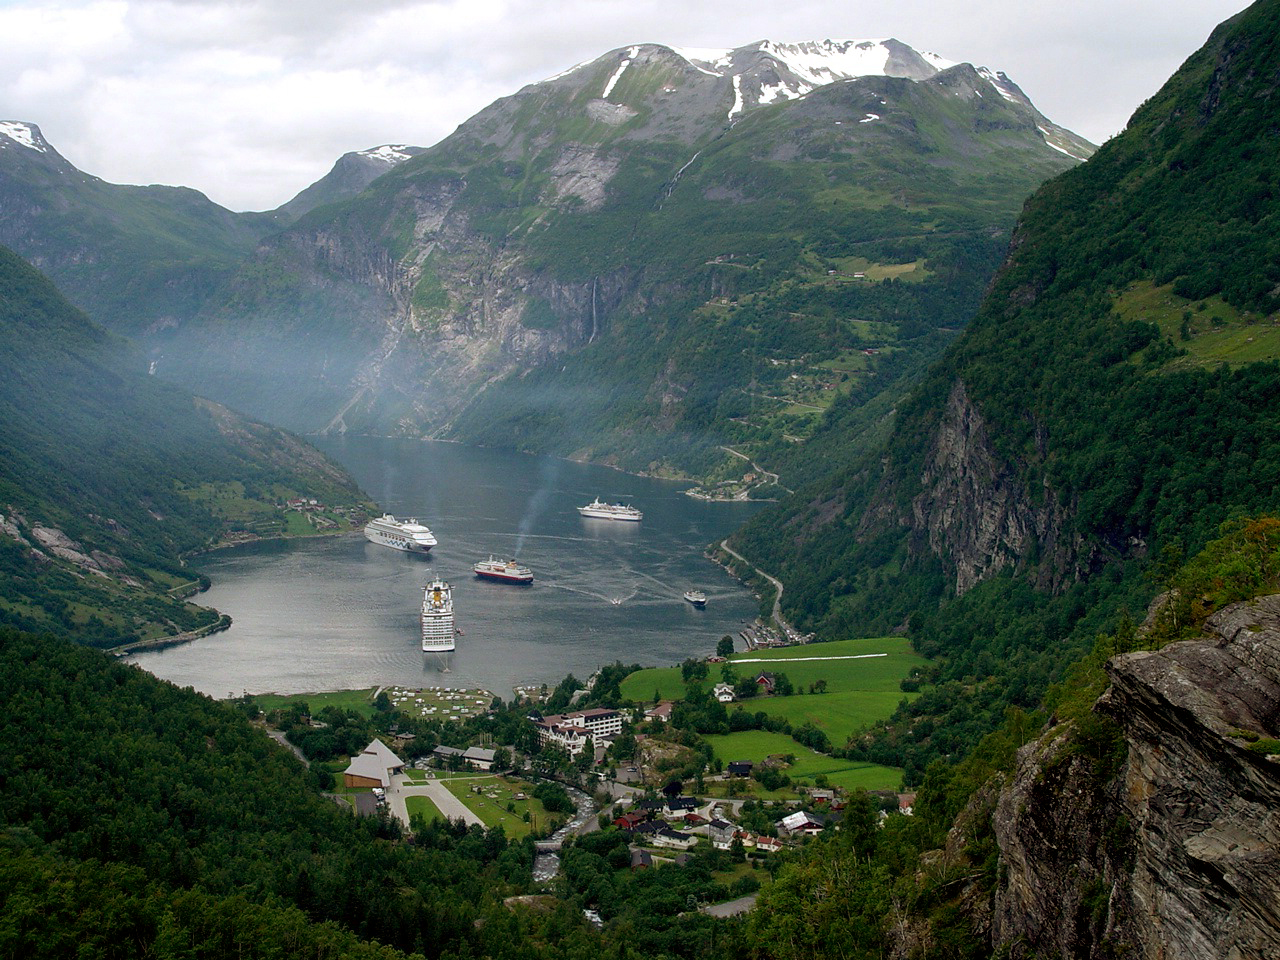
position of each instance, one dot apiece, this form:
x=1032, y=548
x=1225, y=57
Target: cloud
x=252, y=100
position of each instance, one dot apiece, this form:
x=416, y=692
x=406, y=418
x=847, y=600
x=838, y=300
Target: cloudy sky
x=252, y=100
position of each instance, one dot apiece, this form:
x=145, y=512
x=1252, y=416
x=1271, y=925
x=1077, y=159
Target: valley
x=994, y=409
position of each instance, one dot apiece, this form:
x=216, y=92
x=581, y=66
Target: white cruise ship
x=408, y=535
x=437, y=618
x=609, y=511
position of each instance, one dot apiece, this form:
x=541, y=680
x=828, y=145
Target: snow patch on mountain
x=737, y=96
x=1053, y=135
x=390, y=153
x=869, y=118
x=1001, y=83
x=608, y=87
x=23, y=134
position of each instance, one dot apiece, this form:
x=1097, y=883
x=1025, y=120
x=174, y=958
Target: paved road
x=449, y=805
x=777, y=599
x=733, y=907
x=279, y=738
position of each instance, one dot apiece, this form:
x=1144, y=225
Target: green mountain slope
x=136, y=258
x=637, y=278
x=108, y=476
x=1085, y=424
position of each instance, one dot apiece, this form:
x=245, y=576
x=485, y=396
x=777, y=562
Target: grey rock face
x=1177, y=856
x=977, y=513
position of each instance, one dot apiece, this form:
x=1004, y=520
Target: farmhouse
x=723, y=692
x=740, y=768
x=373, y=767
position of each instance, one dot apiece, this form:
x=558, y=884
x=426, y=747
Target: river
x=338, y=612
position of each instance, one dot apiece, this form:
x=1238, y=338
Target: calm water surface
x=339, y=612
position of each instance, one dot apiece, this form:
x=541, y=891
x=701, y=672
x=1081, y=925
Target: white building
x=571, y=730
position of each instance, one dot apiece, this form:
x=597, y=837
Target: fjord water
x=338, y=612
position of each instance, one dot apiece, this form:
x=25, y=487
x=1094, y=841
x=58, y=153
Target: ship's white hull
x=610, y=511
x=407, y=535
x=383, y=540
x=437, y=618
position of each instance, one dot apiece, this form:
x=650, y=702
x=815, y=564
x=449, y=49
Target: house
x=906, y=802
x=723, y=692
x=373, y=767
x=641, y=859
x=821, y=796
x=768, y=844
x=747, y=838
x=481, y=758
x=765, y=681
x=629, y=821
x=694, y=820
x=681, y=805
x=802, y=822
x=661, y=713
x=666, y=837
x=650, y=827
x=650, y=805
x=740, y=768
x=721, y=834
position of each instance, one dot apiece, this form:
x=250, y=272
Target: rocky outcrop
x=1177, y=856
x=977, y=513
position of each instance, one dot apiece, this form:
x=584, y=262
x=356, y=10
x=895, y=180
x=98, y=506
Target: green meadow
x=755, y=745
x=859, y=691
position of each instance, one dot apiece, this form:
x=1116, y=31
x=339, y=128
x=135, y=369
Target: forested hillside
x=1112, y=403
x=108, y=476
x=143, y=820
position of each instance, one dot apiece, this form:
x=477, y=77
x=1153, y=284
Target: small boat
x=505, y=571
x=696, y=597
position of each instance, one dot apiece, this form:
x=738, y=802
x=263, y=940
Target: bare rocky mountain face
x=594, y=215
x=1177, y=856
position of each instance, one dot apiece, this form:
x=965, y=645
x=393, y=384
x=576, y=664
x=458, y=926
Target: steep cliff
x=1178, y=854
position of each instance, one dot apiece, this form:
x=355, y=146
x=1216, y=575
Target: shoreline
x=177, y=639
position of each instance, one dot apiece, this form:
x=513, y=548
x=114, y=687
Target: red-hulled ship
x=507, y=571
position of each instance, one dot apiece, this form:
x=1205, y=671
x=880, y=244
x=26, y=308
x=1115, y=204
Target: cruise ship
x=408, y=535
x=508, y=571
x=609, y=511
x=437, y=618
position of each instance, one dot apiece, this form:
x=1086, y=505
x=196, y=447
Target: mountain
x=643, y=260
x=350, y=175
x=138, y=258
x=108, y=476
x=143, y=259
x=1110, y=406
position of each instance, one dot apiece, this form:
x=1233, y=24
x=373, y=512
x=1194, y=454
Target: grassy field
x=422, y=807
x=445, y=703
x=360, y=701
x=755, y=745
x=501, y=802
x=862, y=688
x=859, y=691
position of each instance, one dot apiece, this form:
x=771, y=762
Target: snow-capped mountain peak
x=768, y=71
x=23, y=134
x=389, y=153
